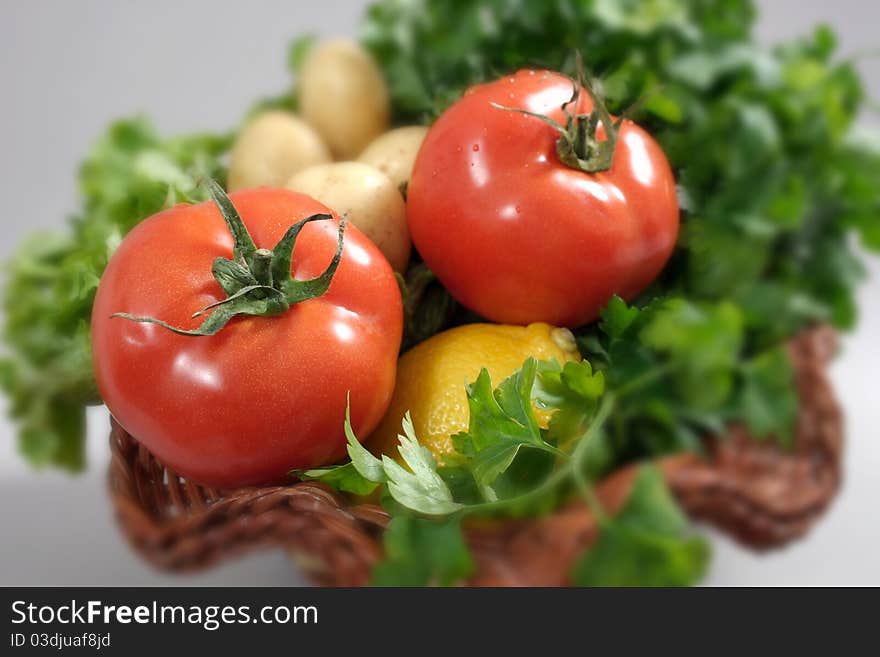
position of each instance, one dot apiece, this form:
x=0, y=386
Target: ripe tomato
x=264, y=394
x=517, y=235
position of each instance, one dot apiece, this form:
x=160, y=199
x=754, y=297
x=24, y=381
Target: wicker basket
x=759, y=494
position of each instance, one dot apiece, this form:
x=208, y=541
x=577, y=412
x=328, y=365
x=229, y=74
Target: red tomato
x=266, y=394
x=519, y=237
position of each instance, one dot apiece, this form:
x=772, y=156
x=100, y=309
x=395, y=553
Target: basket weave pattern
x=757, y=493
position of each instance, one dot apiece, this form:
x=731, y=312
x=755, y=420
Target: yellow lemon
x=431, y=378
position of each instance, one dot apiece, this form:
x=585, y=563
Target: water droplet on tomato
x=476, y=147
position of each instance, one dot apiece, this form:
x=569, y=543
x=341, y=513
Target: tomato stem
x=578, y=145
x=262, y=266
x=256, y=281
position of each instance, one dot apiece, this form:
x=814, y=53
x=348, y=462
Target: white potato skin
x=271, y=148
x=368, y=198
x=343, y=95
x=394, y=153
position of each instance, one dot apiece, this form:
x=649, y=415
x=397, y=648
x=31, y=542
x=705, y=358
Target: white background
x=68, y=68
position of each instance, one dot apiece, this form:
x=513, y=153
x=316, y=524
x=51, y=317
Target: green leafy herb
x=422, y=552
x=573, y=391
x=501, y=422
x=346, y=478
x=693, y=375
x=368, y=465
x=766, y=401
x=417, y=487
x=646, y=544
x=361, y=476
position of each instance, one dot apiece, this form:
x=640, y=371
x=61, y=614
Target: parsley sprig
x=502, y=425
x=656, y=380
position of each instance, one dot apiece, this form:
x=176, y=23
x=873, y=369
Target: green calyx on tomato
x=579, y=146
x=257, y=281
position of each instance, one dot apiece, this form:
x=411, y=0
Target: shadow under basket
x=754, y=491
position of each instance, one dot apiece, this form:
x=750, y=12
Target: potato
x=394, y=152
x=368, y=197
x=343, y=96
x=271, y=148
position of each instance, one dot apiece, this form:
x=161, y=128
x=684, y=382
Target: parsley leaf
x=363, y=461
x=419, y=488
x=768, y=402
x=573, y=390
x=501, y=422
x=645, y=544
x=702, y=343
x=360, y=476
x=423, y=552
x=344, y=477
x=617, y=317
x=681, y=370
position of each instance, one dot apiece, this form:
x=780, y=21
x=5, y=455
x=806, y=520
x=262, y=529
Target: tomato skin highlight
x=517, y=236
x=266, y=394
